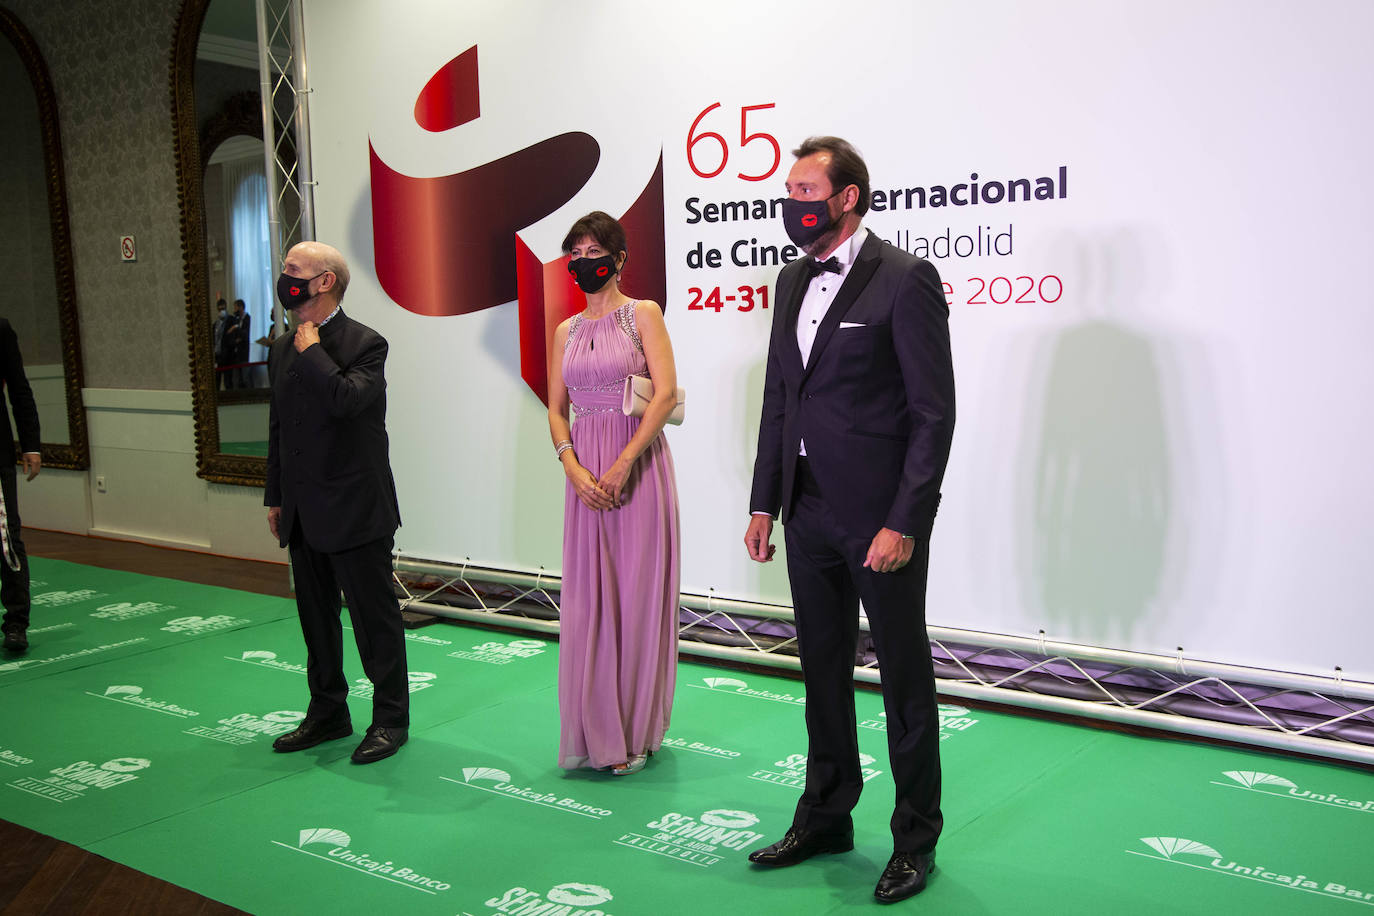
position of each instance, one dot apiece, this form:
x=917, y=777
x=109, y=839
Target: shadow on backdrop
x=1102, y=485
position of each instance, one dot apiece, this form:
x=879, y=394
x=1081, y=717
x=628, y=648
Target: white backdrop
x=1174, y=451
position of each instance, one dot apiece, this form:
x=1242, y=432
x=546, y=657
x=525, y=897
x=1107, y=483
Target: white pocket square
x=852, y=324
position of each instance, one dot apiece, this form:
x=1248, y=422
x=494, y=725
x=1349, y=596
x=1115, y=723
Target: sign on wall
x=1150, y=229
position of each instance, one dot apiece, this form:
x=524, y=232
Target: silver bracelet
x=562, y=447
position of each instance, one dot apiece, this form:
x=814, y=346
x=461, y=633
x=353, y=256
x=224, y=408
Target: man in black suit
x=237, y=337
x=858, y=414
x=331, y=500
x=14, y=565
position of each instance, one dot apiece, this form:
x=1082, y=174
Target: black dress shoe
x=381, y=742
x=310, y=733
x=905, y=876
x=798, y=845
x=16, y=640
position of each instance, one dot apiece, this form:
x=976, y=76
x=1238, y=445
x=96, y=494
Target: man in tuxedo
x=332, y=501
x=14, y=565
x=858, y=414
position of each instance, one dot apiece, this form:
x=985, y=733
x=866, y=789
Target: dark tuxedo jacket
x=875, y=402
x=328, y=463
x=21, y=396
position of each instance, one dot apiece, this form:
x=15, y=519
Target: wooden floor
x=39, y=874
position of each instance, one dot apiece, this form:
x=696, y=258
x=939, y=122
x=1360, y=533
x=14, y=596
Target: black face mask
x=591, y=274
x=294, y=292
x=807, y=220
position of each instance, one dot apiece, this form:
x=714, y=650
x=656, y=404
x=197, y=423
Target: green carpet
x=257, y=448
x=139, y=726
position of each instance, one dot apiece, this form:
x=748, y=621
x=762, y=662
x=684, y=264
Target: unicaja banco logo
x=485, y=773
x=738, y=687
x=132, y=695
x=1170, y=847
x=266, y=659
x=498, y=782
x=1250, y=779
x=1193, y=854
x=327, y=836
x=1269, y=784
x=332, y=845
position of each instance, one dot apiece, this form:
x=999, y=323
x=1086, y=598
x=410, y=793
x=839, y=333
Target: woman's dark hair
x=846, y=166
x=601, y=227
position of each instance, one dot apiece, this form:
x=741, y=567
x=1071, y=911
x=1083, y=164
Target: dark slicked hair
x=603, y=228
x=846, y=166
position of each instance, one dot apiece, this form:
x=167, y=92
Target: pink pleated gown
x=618, y=640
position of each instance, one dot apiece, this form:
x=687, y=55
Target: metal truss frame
x=1319, y=716
x=285, y=93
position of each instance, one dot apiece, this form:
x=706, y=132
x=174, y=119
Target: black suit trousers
x=14, y=584
x=364, y=575
x=828, y=579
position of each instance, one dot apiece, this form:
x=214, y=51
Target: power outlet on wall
x=100, y=483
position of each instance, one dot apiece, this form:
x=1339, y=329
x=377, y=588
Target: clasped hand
x=307, y=334
x=594, y=494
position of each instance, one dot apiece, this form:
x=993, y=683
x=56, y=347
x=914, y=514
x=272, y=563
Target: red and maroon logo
x=810, y=220
x=427, y=231
x=294, y=290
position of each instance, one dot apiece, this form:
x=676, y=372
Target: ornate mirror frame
x=75, y=454
x=211, y=463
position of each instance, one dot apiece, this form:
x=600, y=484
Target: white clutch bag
x=639, y=391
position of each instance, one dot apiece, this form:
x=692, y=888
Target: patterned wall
x=110, y=76
x=28, y=297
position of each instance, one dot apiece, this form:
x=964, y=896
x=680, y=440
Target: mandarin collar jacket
x=328, y=462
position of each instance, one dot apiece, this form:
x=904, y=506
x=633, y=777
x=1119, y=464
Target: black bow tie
x=815, y=268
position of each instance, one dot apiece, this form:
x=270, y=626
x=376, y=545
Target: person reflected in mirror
x=229, y=345
x=241, y=331
x=217, y=340
x=617, y=654
x=331, y=500
x=14, y=567
x=276, y=329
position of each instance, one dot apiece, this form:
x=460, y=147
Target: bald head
x=310, y=259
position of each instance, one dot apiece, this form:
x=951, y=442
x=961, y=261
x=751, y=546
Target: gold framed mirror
x=40, y=298
x=217, y=132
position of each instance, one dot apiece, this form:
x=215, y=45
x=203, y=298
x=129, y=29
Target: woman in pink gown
x=619, y=603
